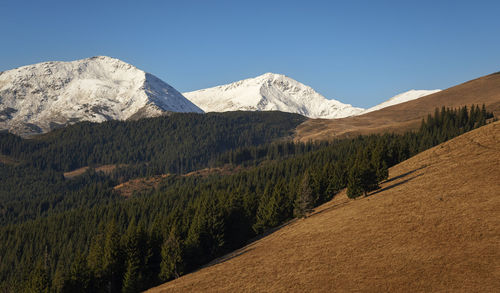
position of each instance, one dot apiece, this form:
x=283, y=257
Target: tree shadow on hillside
x=247, y=247
x=227, y=257
x=394, y=185
x=251, y=242
x=329, y=208
x=404, y=174
x=375, y=192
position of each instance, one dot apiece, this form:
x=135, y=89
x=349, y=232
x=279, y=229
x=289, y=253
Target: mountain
x=432, y=227
x=401, y=98
x=268, y=92
x=407, y=115
x=38, y=98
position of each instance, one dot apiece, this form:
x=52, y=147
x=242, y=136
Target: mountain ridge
x=274, y=91
x=40, y=97
x=270, y=91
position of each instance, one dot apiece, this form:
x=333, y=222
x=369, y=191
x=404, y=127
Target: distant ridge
x=401, y=98
x=407, y=115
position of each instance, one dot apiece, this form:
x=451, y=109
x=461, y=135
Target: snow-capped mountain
x=37, y=98
x=401, y=98
x=270, y=92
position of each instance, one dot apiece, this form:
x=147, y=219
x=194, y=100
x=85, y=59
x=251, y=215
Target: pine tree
x=369, y=180
x=206, y=234
x=39, y=281
x=282, y=207
x=264, y=211
x=171, y=253
x=136, y=252
x=112, y=258
x=379, y=161
x=354, y=188
x=95, y=257
x=319, y=186
x=273, y=209
x=483, y=115
x=362, y=176
x=214, y=228
x=80, y=279
x=337, y=179
x=131, y=279
x=305, y=199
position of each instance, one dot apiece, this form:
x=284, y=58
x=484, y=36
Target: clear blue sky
x=359, y=52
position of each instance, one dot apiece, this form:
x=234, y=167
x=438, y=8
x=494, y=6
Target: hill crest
x=408, y=115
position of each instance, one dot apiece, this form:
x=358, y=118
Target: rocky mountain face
x=269, y=92
x=38, y=98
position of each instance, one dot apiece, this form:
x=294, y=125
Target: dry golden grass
x=434, y=226
x=128, y=188
x=224, y=170
x=7, y=160
x=405, y=116
x=106, y=169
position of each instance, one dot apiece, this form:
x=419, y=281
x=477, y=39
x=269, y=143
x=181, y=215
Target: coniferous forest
x=60, y=234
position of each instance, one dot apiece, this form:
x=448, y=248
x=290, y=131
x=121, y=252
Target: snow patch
x=401, y=98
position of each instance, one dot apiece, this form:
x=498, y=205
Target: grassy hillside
x=433, y=226
x=406, y=116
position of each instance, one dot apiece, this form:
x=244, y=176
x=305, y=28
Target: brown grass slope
x=434, y=226
x=7, y=160
x=106, y=169
x=401, y=117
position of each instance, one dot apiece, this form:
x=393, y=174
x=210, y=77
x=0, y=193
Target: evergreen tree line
x=28, y=193
x=130, y=245
x=178, y=143
x=368, y=169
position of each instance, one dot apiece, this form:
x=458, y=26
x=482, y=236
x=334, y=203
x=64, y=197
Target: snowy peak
x=40, y=97
x=269, y=92
x=401, y=98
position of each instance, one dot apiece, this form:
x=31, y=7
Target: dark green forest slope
x=76, y=235
x=181, y=142
x=176, y=144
